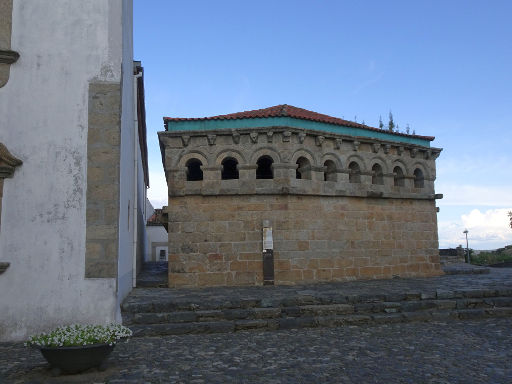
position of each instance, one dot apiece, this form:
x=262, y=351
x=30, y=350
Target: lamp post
x=467, y=246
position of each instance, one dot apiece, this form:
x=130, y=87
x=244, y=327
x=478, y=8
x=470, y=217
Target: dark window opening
x=419, y=179
x=229, y=169
x=194, y=172
x=264, y=170
x=162, y=254
x=354, y=175
x=398, y=176
x=303, y=169
x=330, y=171
x=377, y=175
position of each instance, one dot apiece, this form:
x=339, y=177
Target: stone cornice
x=4, y=266
x=319, y=136
x=8, y=162
x=8, y=57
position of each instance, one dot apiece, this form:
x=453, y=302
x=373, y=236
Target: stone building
x=73, y=163
x=336, y=200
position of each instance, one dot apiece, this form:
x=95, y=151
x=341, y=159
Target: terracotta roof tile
x=284, y=110
x=154, y=220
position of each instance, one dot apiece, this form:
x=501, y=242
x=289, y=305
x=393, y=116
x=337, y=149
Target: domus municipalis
x=284, y=195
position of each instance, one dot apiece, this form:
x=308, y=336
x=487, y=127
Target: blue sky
x=443, y=67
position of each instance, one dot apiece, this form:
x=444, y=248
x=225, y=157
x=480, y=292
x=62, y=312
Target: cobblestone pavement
x=437, y=352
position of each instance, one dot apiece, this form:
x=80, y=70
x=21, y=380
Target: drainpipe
x=136, y=169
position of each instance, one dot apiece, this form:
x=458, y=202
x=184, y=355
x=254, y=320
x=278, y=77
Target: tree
x=381, y=124
x=510, y=216
x=391, y=124
x=407, y=129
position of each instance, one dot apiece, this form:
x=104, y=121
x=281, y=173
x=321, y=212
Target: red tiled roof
x=154, y=220
x=284, y=110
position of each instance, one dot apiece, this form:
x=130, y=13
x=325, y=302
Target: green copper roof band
x=204, y=125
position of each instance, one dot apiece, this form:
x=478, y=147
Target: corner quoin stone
x=103, y=154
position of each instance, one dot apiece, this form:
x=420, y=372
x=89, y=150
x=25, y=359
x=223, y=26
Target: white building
x=73, y=163
x=157, y=243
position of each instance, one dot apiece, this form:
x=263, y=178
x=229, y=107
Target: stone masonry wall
x=103, y=153
x=217, y=240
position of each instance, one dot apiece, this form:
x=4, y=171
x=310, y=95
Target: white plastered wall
x=63, y=44
x=130, y=173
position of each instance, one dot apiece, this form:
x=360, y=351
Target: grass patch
x=488, y=258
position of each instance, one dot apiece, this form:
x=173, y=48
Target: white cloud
x=157, y=192
x=487, y=230
x=472, y=195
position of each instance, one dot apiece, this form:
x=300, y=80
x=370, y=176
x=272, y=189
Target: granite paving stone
x=463, y=351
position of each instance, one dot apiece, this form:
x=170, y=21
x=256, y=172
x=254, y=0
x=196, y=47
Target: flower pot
x=76, y=359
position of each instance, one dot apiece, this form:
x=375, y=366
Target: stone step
x=171, y=304
x=140, y=330
x=174, y=317
x=184, y=316
x=153, y=275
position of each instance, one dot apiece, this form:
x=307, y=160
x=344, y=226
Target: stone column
x=247, y=175
x=211, y=179
x=283, y=174
x=389, y=180
x=284, y=170
x=176, y=178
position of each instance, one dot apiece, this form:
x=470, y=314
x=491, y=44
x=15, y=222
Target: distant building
x=157, y=247
x=73, y=163
x=285, y=195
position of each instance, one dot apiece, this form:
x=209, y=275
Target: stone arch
x=354, y=172
x=304, y=152
x=333, y=157
x=377, y=174
x=225, y=153
x=423, y=169
x=194, y=154
x=419, y=178
x=303, y=170
x=382, y=162
x=398, y=174
x=230, y=168
x=264, y=168
x=402, y=165
x=359, y=160
x=265, y=151
x=194, y=171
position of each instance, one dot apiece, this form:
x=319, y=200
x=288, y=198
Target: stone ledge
x=8, y=57
x=3, y=266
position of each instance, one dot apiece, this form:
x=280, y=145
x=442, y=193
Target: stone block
x=183, y=280
x=211, y=279
x=244, y=278
x=291, y=276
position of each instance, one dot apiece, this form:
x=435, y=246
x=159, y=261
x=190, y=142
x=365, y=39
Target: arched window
x=303, y=169
x=354, y=175
x=194, y=172
x=330, y=171
x=419, y=179
x=264, y=170
x=377, y=175
x=398, y=177
x=229, y=169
